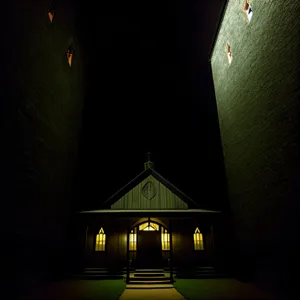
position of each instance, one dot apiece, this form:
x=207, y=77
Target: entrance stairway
x=149, y=277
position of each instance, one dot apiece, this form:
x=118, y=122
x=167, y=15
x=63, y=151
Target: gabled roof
x=140, y=178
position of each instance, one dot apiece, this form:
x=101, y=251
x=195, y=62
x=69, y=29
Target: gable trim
x=135, y=181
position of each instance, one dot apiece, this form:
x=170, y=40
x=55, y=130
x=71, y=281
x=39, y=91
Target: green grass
x=217, y=289
x=80, y=290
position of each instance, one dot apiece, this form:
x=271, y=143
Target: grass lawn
x=217, y=289
x=80, y=290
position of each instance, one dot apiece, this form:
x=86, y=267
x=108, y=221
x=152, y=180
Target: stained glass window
x=100, y=240
x=198, y=240
x=149, y=227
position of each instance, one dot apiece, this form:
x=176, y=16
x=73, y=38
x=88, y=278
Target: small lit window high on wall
x=165, y=239
x=70, y=54
x=100, y=241
x=149, y=226
x=229, y=54
x=132, y=241
x=51, y=13
x=247, y=9
x=198, y=240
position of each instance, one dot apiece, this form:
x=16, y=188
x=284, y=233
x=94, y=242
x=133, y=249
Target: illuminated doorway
x=152, y=241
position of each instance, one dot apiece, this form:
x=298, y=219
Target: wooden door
x=149, y=253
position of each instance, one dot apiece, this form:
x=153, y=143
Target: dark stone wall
x=42, y=99
x=258, y=106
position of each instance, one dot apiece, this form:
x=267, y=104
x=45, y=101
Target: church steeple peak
x=148, y=164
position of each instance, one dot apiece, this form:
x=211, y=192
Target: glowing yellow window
x=165, y=240
x=100, y=241
x=149, y=226
x=198, y=240
x=132, y=241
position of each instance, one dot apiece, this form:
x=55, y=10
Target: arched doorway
x=152, y=244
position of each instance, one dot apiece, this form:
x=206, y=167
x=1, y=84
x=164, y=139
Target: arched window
x=100, y=240
x=132, y=240
x=149, y=226
x=198, y=240
x=165, y=239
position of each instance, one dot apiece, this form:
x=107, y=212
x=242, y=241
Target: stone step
x=149, y=274
x=149, y=286
x=161, y=278
x=149, y=270
x=150, y=282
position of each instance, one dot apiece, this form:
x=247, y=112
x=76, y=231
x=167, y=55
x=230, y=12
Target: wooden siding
x=164, y=198
x=117, y=243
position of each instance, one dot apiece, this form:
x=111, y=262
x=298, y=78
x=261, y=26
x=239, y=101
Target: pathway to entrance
x=151, y=292
x=150, y=284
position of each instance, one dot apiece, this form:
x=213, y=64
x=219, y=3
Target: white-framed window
x=198, y=240
x=247, y=9
x=100, y=240
x=165, y=239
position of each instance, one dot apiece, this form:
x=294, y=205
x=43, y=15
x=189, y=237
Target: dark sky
x=149, y=87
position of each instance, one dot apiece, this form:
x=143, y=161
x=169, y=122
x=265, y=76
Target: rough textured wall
x=258, y=106
x=41, y=118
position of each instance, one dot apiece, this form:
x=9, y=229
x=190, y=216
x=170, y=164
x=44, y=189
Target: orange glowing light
x=69, y=57
x=51, y=15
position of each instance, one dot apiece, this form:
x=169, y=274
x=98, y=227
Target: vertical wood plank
x=127, y=256
x=171, y=250
x=164, y=198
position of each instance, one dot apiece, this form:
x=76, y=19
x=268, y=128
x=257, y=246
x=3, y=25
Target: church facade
x=149, y=224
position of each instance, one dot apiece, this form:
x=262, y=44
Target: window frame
x=165, y=240
x=133, y=234
x=98, y=247
x=196, y=234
